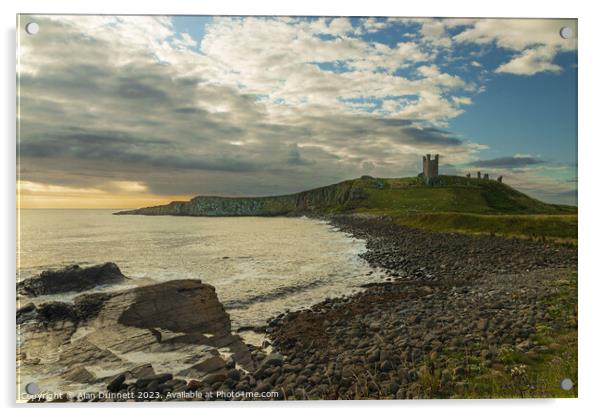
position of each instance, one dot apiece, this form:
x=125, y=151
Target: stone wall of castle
x=430, y=167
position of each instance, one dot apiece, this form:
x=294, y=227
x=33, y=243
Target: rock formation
x=307, y=201
x=178, y=327
x=70, y=279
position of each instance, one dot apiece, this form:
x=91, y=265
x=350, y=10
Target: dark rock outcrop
x=176, y=325
x=70, y=279
x=83, y=308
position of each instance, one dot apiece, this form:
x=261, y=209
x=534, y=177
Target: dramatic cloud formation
x=132, y=106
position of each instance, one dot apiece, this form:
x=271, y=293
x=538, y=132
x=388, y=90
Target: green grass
x=450, y=194
x=458, y=204
x=555, y=227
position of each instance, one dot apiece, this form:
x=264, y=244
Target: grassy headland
x=449, y=204
x=467, y=205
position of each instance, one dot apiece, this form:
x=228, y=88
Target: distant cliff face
x=367, y=194
x=215, y=206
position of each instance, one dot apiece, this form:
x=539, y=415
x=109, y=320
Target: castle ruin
x=430, y=170
x=430, y=167
x=484, y=176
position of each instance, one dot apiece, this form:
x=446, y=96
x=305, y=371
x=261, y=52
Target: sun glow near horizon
x=118, y=194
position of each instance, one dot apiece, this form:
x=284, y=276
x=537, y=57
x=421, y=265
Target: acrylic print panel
x=269, y=208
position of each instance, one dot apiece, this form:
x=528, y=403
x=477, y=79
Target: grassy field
x=559, y=228
x=458, y=204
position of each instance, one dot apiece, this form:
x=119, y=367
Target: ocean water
x=260, y=267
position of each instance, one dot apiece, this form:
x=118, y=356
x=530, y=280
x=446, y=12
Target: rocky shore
x=140, y=335
x=417, y=255
x=453, y=311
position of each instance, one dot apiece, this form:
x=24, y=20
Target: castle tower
x=430, y=167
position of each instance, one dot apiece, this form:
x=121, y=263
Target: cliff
x=445, y=194
x=316, y=199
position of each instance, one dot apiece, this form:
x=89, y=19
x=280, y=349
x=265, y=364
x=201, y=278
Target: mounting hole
x=32, y=28
x=566, y=32
x=566, y=384
x=32, y=388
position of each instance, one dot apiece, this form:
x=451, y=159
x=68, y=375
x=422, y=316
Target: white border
x=589, y=183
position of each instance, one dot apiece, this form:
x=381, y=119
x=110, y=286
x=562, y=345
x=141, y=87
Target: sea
x=259, y=266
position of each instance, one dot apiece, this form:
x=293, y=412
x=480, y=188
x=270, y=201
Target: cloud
x=373, y=24
x=129, y=186
x=135, y=106
x=258, y=106
x=433, y=74
x=519, y=34
x=294, y=157
x=291, y=70
x=536, y=42
x=462, y=100
x=531, y=61
x=539, y=185
x=435, y=31
x=507, y=162
x=131, y=88
x=27, y=187
x=569, y=197
x=533, y=43
x=432, y=135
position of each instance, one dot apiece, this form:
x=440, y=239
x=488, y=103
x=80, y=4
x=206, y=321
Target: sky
x=131, y=111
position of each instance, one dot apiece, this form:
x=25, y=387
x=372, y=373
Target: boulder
x=115, y=384
x=83, y=308
x=140, y=371
x=194, y=385
x=70, y=279
x=30, y=307
x=184, y=306
x=25, y=313
x=210, y=365
x=214, y=378
x=157, y=378
x=273, y=359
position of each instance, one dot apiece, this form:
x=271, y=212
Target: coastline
x=453, y=309
x=425, y=331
